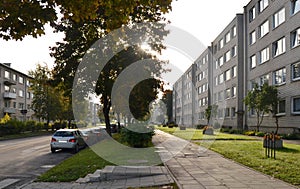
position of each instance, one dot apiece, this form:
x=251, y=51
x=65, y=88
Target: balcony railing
x=10, y=95
x=9, y=110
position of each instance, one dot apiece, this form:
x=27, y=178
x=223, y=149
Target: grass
x=249, y=152
x=95, y=157
x=77, y=166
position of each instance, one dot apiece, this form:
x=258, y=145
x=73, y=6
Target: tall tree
x=210, y=111
x=80, y=35
x=168, y=100
x=262, y=99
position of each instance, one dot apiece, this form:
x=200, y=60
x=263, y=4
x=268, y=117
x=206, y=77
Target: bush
x=249, y=133
x=260, y=134
x=200, y=126
x=137, y=135
x=292, y=136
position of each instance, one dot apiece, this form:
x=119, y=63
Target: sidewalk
x=192, y=167
x=197, y=167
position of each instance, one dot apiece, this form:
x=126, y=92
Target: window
x=21, y=79
x=264, y=79
x=6, y=88
x=264, y=55
x=14, y=77
x=227, y=93
x=295, y=6
x=21, y=93
x=21, y=106
x=233, y=71
x=233, y=31
x=227, y=112
x=233, y=91
x=220, y=113
x=234, y=51
x=221, y=44
x=220, y=96
x=296, y=71
x=7, y=74
x=295, y=38
x=252, y=38
x=296, y=105
x=262, y=5
x=216, y=81
x=28, y=95
x=227, y=75
x=7, y=104
x=281, y=107
x=14, y=105
x=253, y=61
x=233, y=112
x=279, y=76
x=227, y=37
x=264, y=29
x=278, y=18
x=251, y=14
x=221, y=78
x=278, y=47
x=221, y=61
x=227, y=56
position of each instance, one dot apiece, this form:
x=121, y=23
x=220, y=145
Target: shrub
x=200, y=126
x=260, y=134
x=137, y=135
x=249, y=133
x=292, y=136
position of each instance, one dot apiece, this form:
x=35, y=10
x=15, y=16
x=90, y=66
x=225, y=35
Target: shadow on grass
x=288, y=150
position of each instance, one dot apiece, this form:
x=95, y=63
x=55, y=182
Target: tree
x=168, y=100
x=262, y=99
x=210, y=111
x=80, y=35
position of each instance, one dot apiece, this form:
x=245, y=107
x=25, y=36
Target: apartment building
x=261, y=45
x=16, y=97
x=273, y=56
x=184, y=98
x=227, y=73
x=202, y=99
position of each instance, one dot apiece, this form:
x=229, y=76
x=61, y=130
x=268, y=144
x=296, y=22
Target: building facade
x=261, y=45
x=16, y=97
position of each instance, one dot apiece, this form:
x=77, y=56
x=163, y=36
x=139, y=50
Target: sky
x=202, y=19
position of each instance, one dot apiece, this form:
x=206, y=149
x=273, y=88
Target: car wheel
x=76, y=149
x=53, y=150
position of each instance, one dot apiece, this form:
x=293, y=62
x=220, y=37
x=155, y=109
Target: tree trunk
x=106, y=108
x=277, y=125
x=257, y=123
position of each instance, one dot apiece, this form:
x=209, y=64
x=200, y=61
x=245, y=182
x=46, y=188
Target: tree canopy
x=19, y=18
x=262, y=99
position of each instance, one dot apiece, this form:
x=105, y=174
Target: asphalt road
x=22, y=160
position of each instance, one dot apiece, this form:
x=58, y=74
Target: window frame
x=277, y=74
x=266, y=55
x=264, y=28
x=276, y=18
x=252, y=14
x=252, y=37
x=279, y=47
x=295, y=4
x=293, y=72
x=262, y=5
x=295, y=38
x=292, y=105
x=253, y=59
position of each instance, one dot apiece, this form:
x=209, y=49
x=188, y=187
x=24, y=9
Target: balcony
x=9, y=110
x=9, y=82
x=10, y=95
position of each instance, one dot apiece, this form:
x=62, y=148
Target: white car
x=67, y=139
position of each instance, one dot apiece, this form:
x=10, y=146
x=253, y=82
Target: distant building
x=260, y=46
x=15, y=95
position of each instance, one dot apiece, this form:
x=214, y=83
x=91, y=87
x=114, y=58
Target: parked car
x=67, y=139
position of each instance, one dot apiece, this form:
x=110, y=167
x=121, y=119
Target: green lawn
x=77, y=166
x=249, y=152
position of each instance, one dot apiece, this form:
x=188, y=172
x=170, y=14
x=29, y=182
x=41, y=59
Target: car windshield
x=63, y=133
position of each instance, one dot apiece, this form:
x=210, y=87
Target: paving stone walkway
x=191, y=166
x=199, y=168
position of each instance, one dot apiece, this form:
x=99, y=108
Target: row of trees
x=83, y=23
